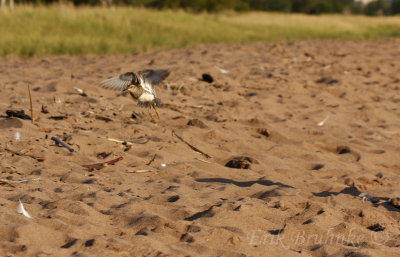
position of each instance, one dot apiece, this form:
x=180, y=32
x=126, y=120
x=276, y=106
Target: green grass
x=37, y=31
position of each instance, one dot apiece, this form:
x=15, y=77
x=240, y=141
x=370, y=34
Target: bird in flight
x=140, y=85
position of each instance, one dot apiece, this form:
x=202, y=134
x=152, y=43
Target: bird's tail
x=158, y=102
x=144, y=104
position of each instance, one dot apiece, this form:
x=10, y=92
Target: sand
x=300, y=188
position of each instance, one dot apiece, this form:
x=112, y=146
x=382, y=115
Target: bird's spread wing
x=120, y=82
x=153, y=76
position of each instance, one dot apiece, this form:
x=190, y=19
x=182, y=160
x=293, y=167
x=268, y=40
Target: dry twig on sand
x=203, y=160
x=152, y=160
x=22, y=180
x=120, y=141
x=30, y=100
x=97, y=166
x=39, y=159
x=191, y=146
x=9, y=181
x=5, y=182
x=59, y=142
x=139, y=171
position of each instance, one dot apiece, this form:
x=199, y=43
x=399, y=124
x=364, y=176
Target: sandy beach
x=292, y=150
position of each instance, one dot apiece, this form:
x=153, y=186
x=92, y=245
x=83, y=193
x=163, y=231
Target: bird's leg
x=151, y=116
x=154, y=106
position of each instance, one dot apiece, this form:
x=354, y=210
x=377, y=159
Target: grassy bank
x=29, y=31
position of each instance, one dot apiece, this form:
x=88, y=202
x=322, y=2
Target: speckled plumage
x=140, y=85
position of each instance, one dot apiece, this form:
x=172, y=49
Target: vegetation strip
x=61, y=30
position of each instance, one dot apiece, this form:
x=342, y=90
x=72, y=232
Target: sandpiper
x=140, y=85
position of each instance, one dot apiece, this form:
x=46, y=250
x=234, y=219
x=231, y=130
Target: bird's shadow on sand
x=263, y=182
x=353, y=191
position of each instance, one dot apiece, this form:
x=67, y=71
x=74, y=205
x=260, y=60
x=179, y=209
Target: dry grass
x=33, y=31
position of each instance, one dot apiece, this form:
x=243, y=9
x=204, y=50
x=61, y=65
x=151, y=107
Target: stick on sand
x=191, y=146
x=97, y=166
x=39, y=159
x=30, y=100
x=59, y=142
